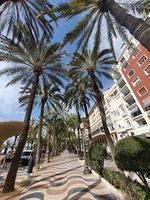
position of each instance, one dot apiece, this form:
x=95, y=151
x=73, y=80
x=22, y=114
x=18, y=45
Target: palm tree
x=71, y=99
x=72, y=123
x=85, y=66
x=13, y=13
x=113, y=15
x=51, y=96
x=48, y=124
x=33, y=58
x=80, y=90
x=48, y=95
x=32, y=133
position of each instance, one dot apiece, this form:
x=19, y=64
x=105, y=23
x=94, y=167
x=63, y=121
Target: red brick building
x=136, y=70
x=133, y=82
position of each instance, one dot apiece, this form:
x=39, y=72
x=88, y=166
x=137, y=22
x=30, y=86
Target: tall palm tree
x=73, y=123
x=15, y=12
x=85, y=66
x=71, y=99
x=48, y=95
x=32, y=133
x=51, y=97
x=115, y=16
x=33, y=58
x=80, y=90
x=48, y=124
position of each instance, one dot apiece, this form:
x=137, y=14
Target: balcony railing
x=121, y=84
x=130, y=103
x=135, y=114
x=147, y=108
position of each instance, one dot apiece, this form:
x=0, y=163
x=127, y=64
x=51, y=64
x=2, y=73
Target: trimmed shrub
x=97, y=154
x=132, y=189
x=133, y=154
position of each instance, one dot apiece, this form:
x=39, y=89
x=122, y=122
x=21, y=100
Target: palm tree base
x=87, y=170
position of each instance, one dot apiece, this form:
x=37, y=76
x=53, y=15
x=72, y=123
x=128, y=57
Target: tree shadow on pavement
x=35, y=195
x=82, y=191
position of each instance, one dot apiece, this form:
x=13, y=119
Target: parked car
x=25, y=157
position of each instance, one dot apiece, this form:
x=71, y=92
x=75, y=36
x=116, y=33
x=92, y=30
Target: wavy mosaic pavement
x=63, y=179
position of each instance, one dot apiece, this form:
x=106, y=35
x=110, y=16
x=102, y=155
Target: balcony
x=124, y=90
x=147, y=108
x=132, y=105
x=142, y=129
x=121, y=84
x=137, y=115
x=127, y=95
x=117, y=76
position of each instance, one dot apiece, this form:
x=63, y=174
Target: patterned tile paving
x=63, y=179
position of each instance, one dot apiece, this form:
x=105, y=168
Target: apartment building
x=133, y=81
x=127, y=102
x=118, y=117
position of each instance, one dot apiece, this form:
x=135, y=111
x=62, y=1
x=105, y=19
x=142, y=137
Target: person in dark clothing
x=30, y=165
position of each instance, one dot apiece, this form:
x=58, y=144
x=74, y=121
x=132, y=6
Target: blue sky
x=9, y=106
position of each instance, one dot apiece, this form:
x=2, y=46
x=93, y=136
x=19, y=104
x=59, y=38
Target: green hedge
x=96, y=156
x=132, y=189
x=133, y=154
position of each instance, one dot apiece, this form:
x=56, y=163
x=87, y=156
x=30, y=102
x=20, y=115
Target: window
x=128, y=123
x=125, y=66
x=132, y=133
x=147, y=70
x=142, y=60
x=131, y=73
x=135, y=52
x=122, y=60
x=147, y=103
x=142, y=91
x=122, y=109
x=130, y=47
x=136, y=81
x=141, y=122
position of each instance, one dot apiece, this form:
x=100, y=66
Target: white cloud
x=9, y=105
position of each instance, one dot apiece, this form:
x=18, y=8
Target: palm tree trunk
x=78, y=129
x=11, y=176
x=47, y=156
x=38, y=151
x=136, y=26
x=87, y=122
x=99, y=100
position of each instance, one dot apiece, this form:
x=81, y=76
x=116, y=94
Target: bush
x=97, y=154
x=133, y=154
x=132, y=189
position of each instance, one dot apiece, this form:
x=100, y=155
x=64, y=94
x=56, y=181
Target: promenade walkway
x=63, y=179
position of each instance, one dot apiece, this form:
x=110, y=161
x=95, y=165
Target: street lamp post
x=86, y=169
